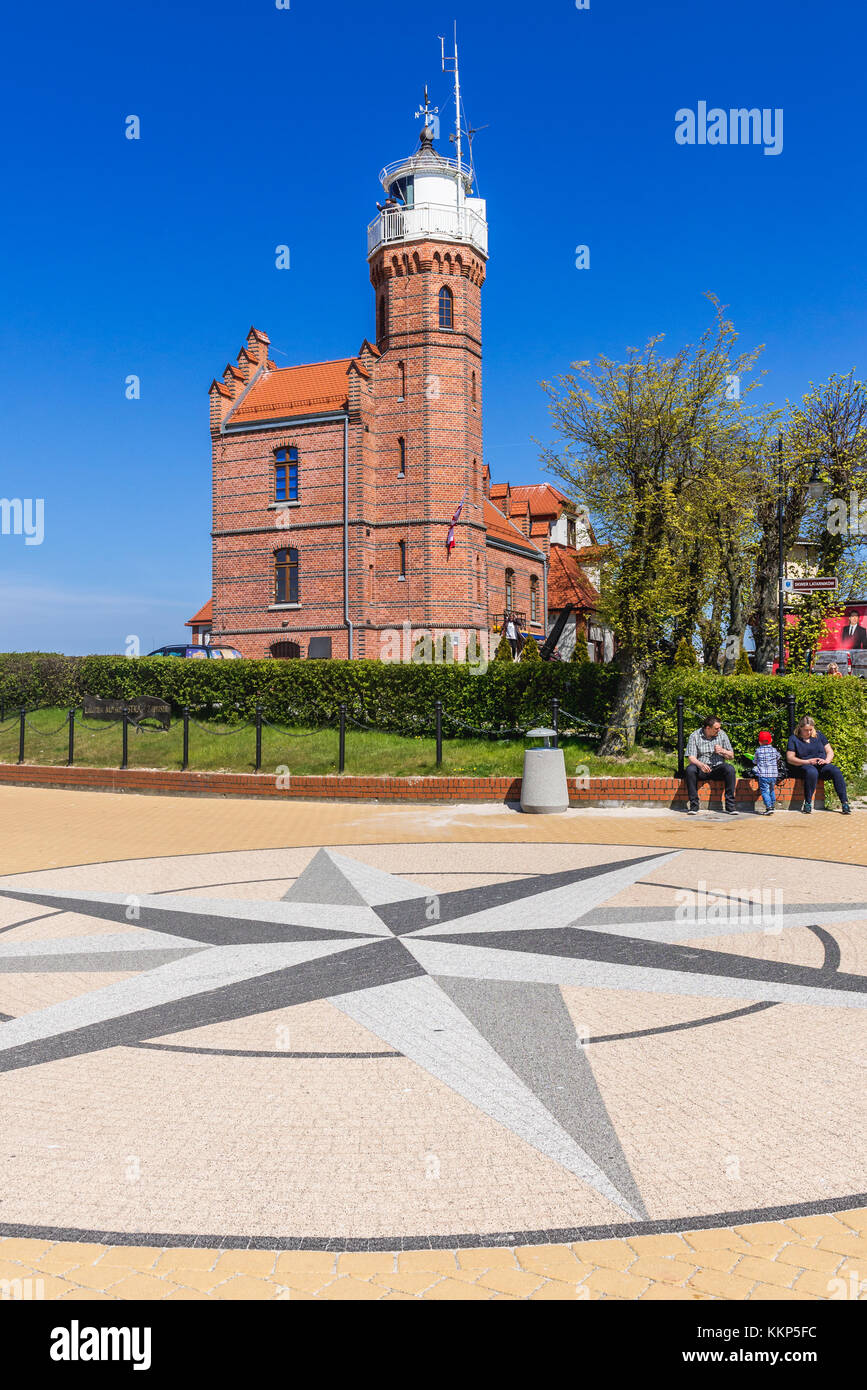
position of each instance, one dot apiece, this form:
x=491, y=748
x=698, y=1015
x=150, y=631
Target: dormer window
x=446, y=307
x=286, y=475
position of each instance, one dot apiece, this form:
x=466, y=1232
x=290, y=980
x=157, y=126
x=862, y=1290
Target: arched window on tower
x=401, y=381
x=286, y=576
x=447, y=307
x=473, y=393
x=381, y=319
x=510, y=590
x=534, y=598
x=401, y=559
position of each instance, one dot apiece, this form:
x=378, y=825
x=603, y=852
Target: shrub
x=742, y=665
x=530, y=650
x=504, y=651
x=579, y=652
x=685, y=654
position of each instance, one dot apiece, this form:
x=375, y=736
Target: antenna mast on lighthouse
x=453, y=58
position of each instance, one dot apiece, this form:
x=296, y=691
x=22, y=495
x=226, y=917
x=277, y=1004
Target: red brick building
x=335, y=484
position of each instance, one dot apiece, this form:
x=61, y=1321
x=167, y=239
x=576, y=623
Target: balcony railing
x=431, y=221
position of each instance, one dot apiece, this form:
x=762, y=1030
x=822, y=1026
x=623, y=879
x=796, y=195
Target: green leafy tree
x=579, y=655
x=647, y=446
x=530, y=651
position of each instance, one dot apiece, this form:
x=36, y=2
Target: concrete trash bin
x=543, y=786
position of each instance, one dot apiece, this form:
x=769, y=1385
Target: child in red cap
x=767, y=769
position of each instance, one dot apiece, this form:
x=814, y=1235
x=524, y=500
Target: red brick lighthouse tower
x=427, y=252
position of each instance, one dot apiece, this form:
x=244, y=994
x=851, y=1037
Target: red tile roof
x=313, y=389
x=204, y=615
x=501, y=529
x=567, y=582
x=543, y=499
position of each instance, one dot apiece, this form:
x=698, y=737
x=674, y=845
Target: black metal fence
x=440, y=726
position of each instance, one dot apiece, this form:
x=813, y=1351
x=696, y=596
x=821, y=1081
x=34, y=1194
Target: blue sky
x=261, y=127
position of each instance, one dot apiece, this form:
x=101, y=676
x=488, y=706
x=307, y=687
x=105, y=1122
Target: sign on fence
x=145, y=707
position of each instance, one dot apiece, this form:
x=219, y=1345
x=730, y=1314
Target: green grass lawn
x=220, y=748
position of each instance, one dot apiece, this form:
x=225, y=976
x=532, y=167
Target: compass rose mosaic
x=386, y=1044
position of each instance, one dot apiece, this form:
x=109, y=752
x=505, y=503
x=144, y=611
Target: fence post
x=555, y=718
x=439, y=718
x=680, y=757
x=790, y=712
x=258, y=738
x=22, y=715
x=341, y=751
x=186, y=756
x=125, y=750
x=71, y=757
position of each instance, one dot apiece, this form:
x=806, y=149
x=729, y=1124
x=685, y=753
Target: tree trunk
x=628, y=704
x=737, y=612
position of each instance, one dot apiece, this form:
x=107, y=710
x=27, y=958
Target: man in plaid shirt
x=709, y=757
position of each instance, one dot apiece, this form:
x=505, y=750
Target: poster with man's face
x=847, y=633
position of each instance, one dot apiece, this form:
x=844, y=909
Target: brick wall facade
x=410, y=420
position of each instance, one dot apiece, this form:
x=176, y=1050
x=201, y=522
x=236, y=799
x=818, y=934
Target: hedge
x=399, y=697
x=746, y=704
x=393, y=696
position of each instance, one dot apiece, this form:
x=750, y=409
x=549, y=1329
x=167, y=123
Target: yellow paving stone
x=853, y=1272
x=720, y=1238
x=246, y=1286
x=614, y=1283
x=402, y=1297
x=665, y=1292
x=362, y=1262
x=304, y=1283
x=68, y=1255
x=443, y=1261
x=561, y=1291
x=613, y=1254
x=131, y=1256
x=256, y=1262
x=87, y=1296
x=805, y=1257
x=721, y=1259
x=52, y=1287
x=847, y=1244
x=11, y=1269
x=512, y=1281
x=856, y=1219
x=570, y=1271
x=455, y=1289
x=812, y=1228
x=659, y=1245
x=98, y=1276
x=180, y=1259
x=17, y=1248
x=822, y=1285
x=658, y=1267
x=767, y=1271
x=348, y=1287
x=720, y=1285
x=773, y=1292
x=765, y=1233
x=411, y=1282
x=201, y=1280
x=305, y=1262
x=189, y=1296
x=487, y=1257
x=545, y=1256
x=143, y=1286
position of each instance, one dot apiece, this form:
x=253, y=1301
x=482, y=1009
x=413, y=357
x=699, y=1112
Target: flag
x=450, y=539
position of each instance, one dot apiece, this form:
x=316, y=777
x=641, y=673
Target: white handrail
x=433, y=221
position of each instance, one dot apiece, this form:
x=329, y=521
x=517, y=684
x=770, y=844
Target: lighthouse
x=427, y=254
x=350, y=497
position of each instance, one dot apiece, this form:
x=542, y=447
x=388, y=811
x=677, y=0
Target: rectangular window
x=286, y=576
x=286, y=475
x=401, y=555
x=401, y=450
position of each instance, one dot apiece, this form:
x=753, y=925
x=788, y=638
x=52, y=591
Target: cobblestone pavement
x=367, y=1028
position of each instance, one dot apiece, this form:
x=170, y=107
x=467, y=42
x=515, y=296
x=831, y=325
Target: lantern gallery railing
x=431, y=221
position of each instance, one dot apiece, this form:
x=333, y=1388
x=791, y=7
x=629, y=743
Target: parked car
x=216, y=653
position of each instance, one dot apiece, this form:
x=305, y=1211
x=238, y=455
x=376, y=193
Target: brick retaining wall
x=594, y=791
